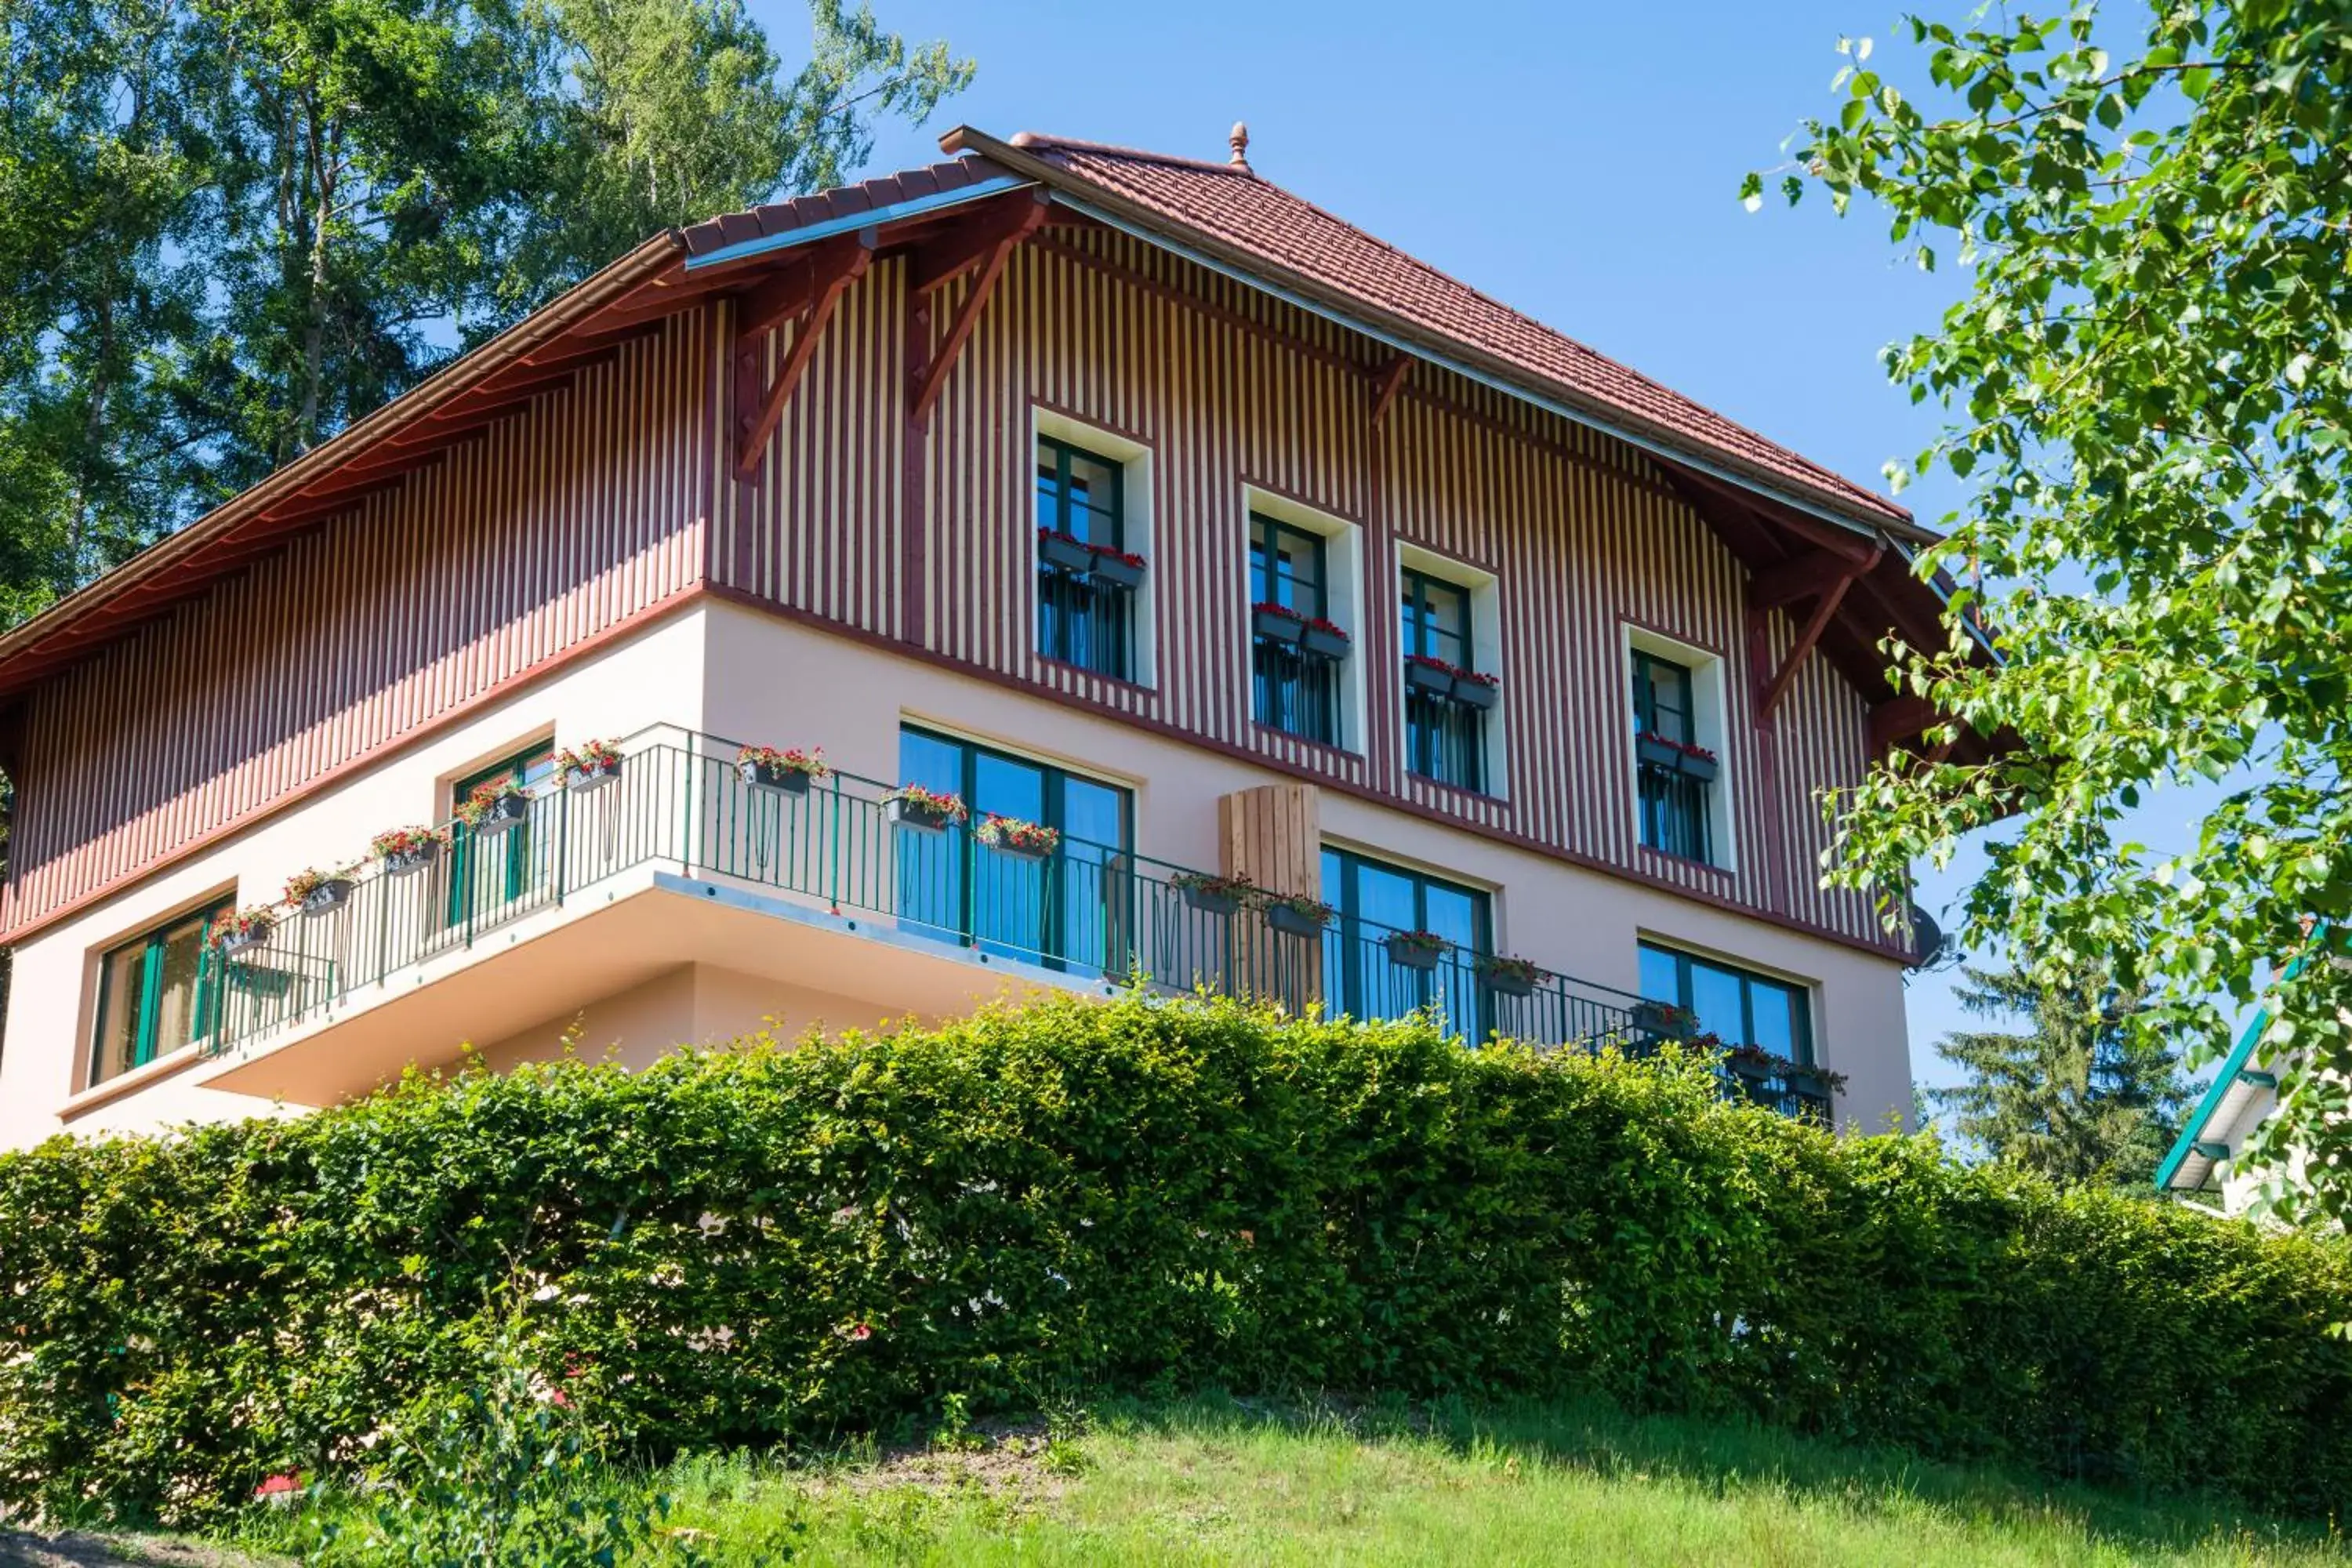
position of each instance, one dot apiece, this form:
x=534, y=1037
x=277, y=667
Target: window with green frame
x=1737, y=1005
x=485, y=874
x=1070, y=910
x=1445, y=739
x=1674, y=808
x=1082, y=621
x=1375, y=900
x=1290, y=688
x=155, y=993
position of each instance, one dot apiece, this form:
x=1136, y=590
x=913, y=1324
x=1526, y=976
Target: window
x=155, y=994
x=1741, y=1007
x=1672, y=774
x=1067, y=909
x=1446, y=736
x=486, y=874
x=1084, y=617
x=1293, y=687
x=1375, y=901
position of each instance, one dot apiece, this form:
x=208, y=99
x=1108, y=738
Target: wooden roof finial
x=1239, y=141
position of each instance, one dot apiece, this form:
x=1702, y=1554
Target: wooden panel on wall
x=1273, y=835
x=568, y=518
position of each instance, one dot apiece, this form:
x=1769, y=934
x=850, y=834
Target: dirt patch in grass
x=77, y=1549
x=1015, y=1462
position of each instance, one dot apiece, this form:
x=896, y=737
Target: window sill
x=131, y=1083
x=1481, y=796
x=1293, y=737
x=1124, y=684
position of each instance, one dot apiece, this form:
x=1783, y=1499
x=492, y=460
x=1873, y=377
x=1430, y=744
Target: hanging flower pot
x=1117, y=568
x=1013, y=836
x=1211, y=895
x=316, y=893
x=503, y=810
x=1656, y=751
x=1662, y=1020
x=1421, y=949
x=1474, y=690
x=1064, y=552
x=593, y=766
x=780, y=772
x=925, y=811
x=1299, y=915
x=1508, y=977
x=404, y=851
x=246, y=930
x=1277, y=623
x=1434, y=676
x=1324, y=639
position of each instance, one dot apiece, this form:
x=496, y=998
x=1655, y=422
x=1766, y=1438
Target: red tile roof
x=842, y=201
x=1252, y=215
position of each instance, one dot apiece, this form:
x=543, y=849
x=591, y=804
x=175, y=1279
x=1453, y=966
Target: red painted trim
x=1277, y=764
x=374, y=757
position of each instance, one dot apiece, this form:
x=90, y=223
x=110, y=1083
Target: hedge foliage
x=744, y=1247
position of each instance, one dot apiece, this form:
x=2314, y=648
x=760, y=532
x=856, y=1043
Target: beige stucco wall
x=652, y=677
x=747, y=675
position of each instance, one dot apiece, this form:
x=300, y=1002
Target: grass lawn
x=1226, y=1482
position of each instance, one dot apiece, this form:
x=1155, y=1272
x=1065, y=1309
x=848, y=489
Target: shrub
x=740, y=1246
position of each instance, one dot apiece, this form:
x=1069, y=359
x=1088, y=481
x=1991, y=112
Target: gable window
x=155, y=994
x=1088, y=574
x=490, y=873
x=1738, y=1005
x=1445, y=702
x=1065, y=908
x=1297, y=651
x=1376, y=900
x=1674, y=773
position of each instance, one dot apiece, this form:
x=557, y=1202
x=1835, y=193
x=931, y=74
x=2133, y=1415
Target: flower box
x=1663, y=1018
x=328, y=894
x=923, y=810
x=1117, y=568
x=592, y=773
x=1211, y=895
x=774, y=777
x=1298, y=916
x=1656, y=752
x=1324, y=640
x=1509, y=976
x=1431, y=675
x=1021, y=840
x=1473, y=690
x=1696, y=764
x=409, y=862
x=1064, y=552
x=1417, y=949
x=501, y=812
x=245, y=939
x=1276, y=624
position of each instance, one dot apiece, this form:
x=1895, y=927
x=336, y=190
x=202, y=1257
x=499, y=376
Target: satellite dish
x=1928, y=940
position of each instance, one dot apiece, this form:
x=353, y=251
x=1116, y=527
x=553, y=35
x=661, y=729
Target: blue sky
x=1576, y=160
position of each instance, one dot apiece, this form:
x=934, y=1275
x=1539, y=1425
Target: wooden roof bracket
x=1824, y=574
x=837, y=263
x=1001, y=235
x=1392, y=382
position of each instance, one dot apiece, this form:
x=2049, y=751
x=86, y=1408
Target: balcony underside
x=806, y=965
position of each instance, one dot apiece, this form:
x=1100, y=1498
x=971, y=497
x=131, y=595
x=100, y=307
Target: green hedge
x=742, y=1247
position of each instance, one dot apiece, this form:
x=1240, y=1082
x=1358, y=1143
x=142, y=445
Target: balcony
x=678, y=859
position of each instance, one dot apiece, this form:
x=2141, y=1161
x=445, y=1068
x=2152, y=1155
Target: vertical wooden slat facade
x=591, y=509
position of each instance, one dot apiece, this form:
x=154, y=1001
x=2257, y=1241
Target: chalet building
x=1179, y=532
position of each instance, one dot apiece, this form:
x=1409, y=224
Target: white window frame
x=1135, y=490
x=1710, y=702
x=1486, y=591
x=1343, y=568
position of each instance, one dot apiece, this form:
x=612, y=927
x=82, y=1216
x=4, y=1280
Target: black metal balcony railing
x=1295, y=690
x=1086, y=623
x=1088, y=910
x=1445, y=739
x=1674, y=814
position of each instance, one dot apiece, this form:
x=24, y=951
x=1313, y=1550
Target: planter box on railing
x=408, y=862
x=1323, y=642
x=1408, y=953
x=1065, y=553
x=1657, y=754
x=1115, y=570
x=774, y=777
x=244, y=941
x=1291, y=921
x=1211, y=899
x=921, y=816
x=327, y=897
x=1472, y=692
x=506, y=812
x=1511, y=979
x=1434, y=678
x=1698, y=767
x=1277, y=626
x=593, y=775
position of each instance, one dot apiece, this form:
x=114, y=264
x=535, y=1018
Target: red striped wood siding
x=1230, y=387
x=566, y=519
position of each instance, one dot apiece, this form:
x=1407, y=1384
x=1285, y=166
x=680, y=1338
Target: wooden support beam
x=1393, y=382
x=1799, y=577
x=983, y=284
x=767, y=303
x=1012, y=218
x=1807, y=635
x=838, y=263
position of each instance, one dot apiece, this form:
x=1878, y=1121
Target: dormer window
x=1087, y=575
